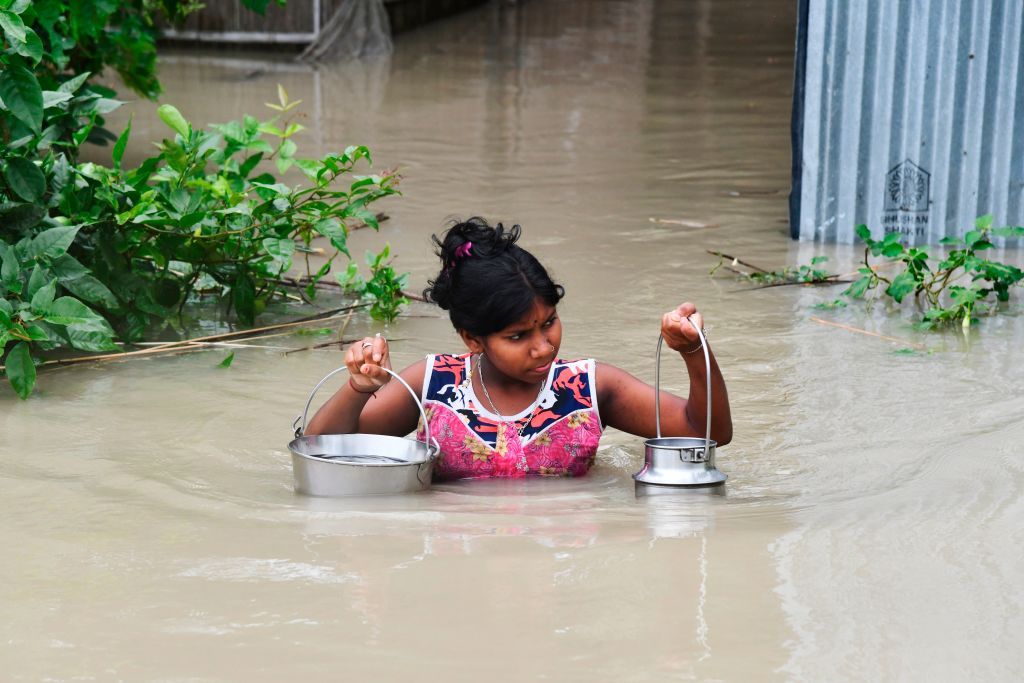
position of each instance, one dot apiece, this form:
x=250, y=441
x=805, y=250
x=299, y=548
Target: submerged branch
x=736, y=260
x=197, y=343
x=858, y=330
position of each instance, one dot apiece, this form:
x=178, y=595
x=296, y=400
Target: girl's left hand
x=679, y=334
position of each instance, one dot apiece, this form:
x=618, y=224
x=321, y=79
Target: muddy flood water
x=872, y=527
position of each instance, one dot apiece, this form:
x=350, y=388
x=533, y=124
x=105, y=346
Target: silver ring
x=367, y=345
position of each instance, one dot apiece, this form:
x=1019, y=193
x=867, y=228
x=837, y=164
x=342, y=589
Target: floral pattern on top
x=556, y=436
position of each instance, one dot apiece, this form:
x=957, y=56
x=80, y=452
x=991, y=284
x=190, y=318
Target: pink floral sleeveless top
x=556, y=436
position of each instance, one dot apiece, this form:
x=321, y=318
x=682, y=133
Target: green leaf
x=190, y=219
x=971, y=237
x=6, y=307
x=21, y=371
x=170, y=115
x=1009, y=232
x=92, y=290
x=43, y=297
x=66, y=267
x=288, y=149
x=10, y=272
x=86, y=339
x=892, y=249
x=20, y=217
x=279, y=249
x=73, y=84
x=31, y=48
x=22, y=95
x=983, y=222
x=122, y=142
x=25, y=179
x=70, y=311
x=54, y=242
x=55, y=98
x=226, y=363
x=36, y=333
x=13, y=27
x=859, y=288
x=5, y=320
x=105, y=105
x=902, y=284
x=249, y=164
x=36, y=280
x=332, y=229
x=863, y=233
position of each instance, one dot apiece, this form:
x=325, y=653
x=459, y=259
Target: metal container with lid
x=680, y=461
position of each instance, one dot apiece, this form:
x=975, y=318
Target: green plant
x=32, y=315
x=201, y=214
x=804, y=273
x=87, y=249
x=951, y=291
x=384, y=286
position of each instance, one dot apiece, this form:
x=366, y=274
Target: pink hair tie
x=463, y=251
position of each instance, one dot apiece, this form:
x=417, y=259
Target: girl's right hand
x=364, y=360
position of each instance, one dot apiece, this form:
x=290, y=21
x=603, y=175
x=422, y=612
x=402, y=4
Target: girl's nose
x=542, y=348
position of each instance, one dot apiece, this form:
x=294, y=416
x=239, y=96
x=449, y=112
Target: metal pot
x=680, y=460
x=361, y=464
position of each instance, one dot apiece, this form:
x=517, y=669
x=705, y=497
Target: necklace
x=504, y=420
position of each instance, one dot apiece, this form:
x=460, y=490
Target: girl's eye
x=550, y=322
x=515, y=337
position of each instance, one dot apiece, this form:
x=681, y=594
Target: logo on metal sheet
x=907, y=199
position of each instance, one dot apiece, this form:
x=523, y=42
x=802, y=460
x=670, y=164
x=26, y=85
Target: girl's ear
x=473, y=343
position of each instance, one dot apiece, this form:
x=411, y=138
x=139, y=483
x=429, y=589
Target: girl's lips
x=543, y=368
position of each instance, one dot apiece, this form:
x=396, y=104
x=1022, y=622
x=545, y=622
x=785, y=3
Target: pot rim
x=430, y=454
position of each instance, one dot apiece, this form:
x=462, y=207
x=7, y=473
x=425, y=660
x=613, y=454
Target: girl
x=510, y=407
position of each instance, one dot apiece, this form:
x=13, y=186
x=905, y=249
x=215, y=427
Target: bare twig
x=333, y=342
x=915, y=345
x=736, y=260
x=830, y=280
x=192, y=344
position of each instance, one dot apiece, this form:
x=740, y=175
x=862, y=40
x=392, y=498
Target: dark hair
x=490, y=284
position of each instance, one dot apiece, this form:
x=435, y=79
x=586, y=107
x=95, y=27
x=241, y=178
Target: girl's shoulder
x=446, y=362
x=444, y=369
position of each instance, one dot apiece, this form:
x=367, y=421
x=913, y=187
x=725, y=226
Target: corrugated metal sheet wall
x=911, y=118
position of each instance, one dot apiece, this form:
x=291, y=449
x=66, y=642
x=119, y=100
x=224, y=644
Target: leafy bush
x=952, y=290
x=89, y=252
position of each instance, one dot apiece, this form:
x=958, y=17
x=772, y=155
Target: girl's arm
x=369, y=403
x=626, y=403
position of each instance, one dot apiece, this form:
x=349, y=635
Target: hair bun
x=486, y=280
x=485, y=240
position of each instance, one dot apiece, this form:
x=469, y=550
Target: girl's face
x=524, y=350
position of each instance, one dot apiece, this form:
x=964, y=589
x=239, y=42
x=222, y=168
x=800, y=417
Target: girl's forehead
x=537, y=315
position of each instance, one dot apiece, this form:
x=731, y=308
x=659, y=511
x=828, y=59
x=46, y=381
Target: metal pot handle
x=657, y=382
x=423, y=414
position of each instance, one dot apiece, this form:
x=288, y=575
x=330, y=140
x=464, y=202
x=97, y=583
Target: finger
x=354, y=359
x=669, y=325
x=698, y=321
x=379, y=348
x=686, y=309
x=366, y=349
x=375, y=373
